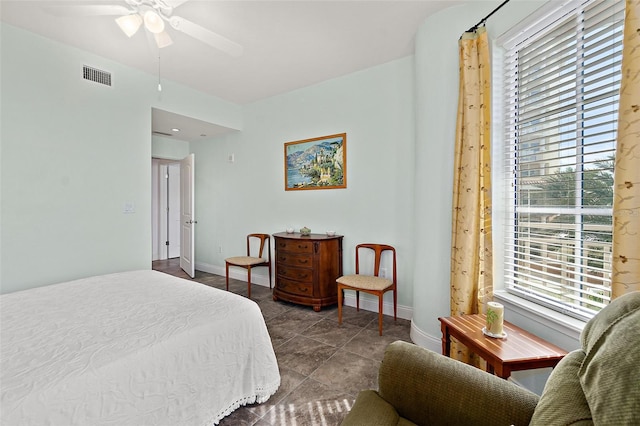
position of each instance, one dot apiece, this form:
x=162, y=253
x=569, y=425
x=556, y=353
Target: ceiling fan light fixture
x=129, y=24
x=163, y=39
x=153, y=22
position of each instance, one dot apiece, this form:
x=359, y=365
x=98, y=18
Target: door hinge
x=167, y=243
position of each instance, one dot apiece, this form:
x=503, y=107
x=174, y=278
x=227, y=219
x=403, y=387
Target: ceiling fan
x=153, y=14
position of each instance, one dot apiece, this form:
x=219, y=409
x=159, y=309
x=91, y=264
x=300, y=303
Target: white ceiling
x=287, y=44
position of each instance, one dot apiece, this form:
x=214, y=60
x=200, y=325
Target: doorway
x=166, y=209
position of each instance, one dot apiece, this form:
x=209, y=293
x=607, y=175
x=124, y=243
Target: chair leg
x=395, y=305
x=380, y=296
x=357, y=301
x=227, y=268
x=269, y=276
x=340, y=300
x=249, y=281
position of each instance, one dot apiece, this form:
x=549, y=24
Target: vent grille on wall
x=94, y=74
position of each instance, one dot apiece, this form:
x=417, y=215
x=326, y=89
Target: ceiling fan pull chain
x=159, y=84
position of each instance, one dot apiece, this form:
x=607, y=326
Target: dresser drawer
x=294, y=246
x=292, y=259
x=298, y=274
x=294, y=287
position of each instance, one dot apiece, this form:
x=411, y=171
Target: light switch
x=129, y=207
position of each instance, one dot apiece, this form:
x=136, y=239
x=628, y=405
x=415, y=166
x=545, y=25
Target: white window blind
x=561, y=110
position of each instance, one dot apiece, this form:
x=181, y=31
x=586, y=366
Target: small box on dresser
x=307, y=268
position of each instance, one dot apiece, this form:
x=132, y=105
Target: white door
x=173, y=215
x=187, y=202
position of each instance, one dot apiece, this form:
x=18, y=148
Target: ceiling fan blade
x=175, y=3
x=87, y=10
x=204, y=35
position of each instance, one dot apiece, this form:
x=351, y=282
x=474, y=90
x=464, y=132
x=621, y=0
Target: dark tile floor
x=323, y=366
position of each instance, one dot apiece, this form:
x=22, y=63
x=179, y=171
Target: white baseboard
x=371, y=304
x=420, y=338
x=258, y=276
x=366, y=303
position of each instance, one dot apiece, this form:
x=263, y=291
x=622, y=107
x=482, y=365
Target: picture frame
x=317, y=163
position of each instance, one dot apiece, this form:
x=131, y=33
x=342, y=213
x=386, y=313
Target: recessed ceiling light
x=203, y=135
x=175, y=129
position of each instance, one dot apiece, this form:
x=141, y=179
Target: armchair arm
x=429, y=388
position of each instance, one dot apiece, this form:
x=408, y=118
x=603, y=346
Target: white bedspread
x=135, y=348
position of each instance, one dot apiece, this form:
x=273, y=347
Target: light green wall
x=375, y=108
x=73, y=154
x=169, y=149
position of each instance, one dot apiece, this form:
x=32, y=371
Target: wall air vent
x=94, y=74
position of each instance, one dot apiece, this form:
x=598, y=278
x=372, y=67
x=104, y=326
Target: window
x=561, y=81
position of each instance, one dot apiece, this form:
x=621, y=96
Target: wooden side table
x=520, y=350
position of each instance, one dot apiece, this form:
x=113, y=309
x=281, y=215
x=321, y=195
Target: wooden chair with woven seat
x=247, y=262
x=372, y=284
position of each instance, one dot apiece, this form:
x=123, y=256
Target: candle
x=495, y=318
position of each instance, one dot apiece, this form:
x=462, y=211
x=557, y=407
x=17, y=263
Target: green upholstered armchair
x=596, y=384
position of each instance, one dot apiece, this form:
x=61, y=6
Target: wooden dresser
x=307, y=268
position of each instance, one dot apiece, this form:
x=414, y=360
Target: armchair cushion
x=599, y=383
x=610, y=373
x=374, y=409
x=563, y=401
x=426, y=388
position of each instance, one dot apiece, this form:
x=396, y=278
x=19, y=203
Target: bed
x=133, y=348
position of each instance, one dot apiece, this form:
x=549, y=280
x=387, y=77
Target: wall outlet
x=129, y=207
x=383, y=272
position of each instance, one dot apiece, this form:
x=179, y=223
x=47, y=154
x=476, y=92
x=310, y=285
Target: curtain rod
x=483, y=20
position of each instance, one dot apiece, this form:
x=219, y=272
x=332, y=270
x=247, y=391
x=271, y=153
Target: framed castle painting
x=318, y=163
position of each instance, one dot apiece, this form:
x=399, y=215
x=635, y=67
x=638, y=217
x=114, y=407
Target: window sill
x=559, y=329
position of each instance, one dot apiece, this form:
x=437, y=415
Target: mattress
x=133, y=348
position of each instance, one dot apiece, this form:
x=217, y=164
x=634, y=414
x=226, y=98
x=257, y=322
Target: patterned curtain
x=626, y=203
x=471, y=251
